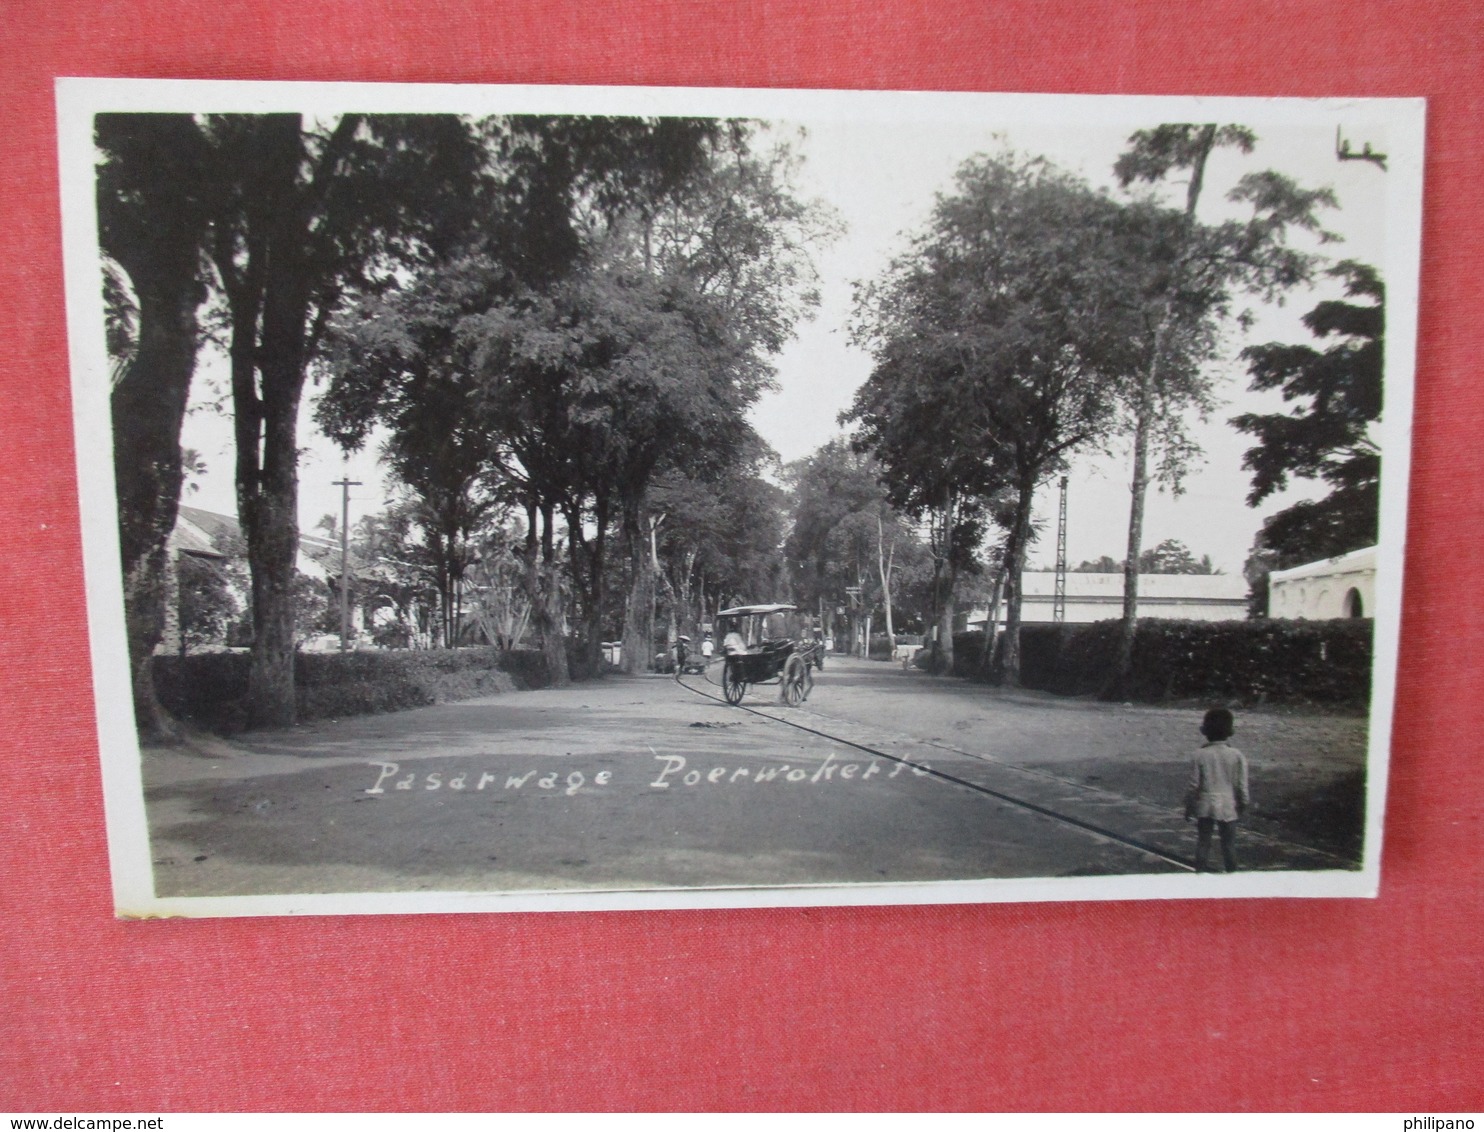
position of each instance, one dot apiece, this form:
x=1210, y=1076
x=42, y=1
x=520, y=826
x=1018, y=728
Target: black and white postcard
x=512, y=498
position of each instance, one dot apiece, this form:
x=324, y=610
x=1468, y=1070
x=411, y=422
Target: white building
x=1334, y=587
x=1099, y=597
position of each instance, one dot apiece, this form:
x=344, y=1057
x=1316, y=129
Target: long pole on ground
x=345, y=486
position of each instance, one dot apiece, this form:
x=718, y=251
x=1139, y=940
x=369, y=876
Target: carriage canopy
x=758, y=624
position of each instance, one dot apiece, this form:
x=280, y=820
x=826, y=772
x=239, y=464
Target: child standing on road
x=1217, y=795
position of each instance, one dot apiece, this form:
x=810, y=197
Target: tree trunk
x=638, y=623
x=689, y=618
x=272, y=546
x=270, y=515
x=268, y=472
x=935, y=652
x=595, y=591
x=1014, y=569
x=531, y=578
x=554, y=640
x=1139, y=489
x=152, y=220
x=1144, y=410
x=884, y=564
x=148, y=407
x=992, y=620
x=945, y=623
x=600, y=546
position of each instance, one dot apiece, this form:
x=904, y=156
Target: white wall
x=1336, y=587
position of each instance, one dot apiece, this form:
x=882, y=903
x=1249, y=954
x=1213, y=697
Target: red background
x=1267, y=1004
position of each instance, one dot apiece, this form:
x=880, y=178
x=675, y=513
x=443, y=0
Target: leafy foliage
x=1173, y=557
x=846, y=537
x=207, y=602
x=1337, y=396
x=153, y=213
x=1001, y=341
x=307, y=214
x=1206, y=267
x=606, y=326
x=1170, y=557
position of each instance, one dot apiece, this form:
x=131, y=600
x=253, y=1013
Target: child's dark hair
x=1218, y=724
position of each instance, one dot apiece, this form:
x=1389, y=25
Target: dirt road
x=642, y=783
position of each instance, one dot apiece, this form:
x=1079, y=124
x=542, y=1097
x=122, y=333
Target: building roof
x=1362, y=561
x=1169, y=587
x=190, y=537
x=1096, y=597
x=220, y=531
x=212, y=533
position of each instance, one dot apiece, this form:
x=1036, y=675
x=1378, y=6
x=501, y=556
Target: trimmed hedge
x=1248, y=661
x=210, y=689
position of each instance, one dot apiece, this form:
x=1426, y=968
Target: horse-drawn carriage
x=764, y=644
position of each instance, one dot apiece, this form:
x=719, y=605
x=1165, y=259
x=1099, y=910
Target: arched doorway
x=1354, y=607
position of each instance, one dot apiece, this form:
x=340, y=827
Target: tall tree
x=1007, y=328
x=307, y=215
x=728, y=266
x=845, y=536
x=835, y=494
x=398, y=360
x=646, y=353
x=1202, y=266
x=934, y=476
x=152, y=221
x=545, y=332
x=718, y=530
x=1336, y=394
x=723, y=532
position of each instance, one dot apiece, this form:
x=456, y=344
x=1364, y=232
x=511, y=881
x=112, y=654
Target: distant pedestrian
x=708, y=646
x=1217, y=795
x=682, y=651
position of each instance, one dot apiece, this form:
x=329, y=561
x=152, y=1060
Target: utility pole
x=345, y=486
x=1059, y=602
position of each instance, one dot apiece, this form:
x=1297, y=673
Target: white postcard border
x=78, y=99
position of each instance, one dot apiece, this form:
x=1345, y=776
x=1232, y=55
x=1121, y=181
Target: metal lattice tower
x=1059, y=602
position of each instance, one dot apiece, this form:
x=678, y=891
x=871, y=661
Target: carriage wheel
x=795, y=672
x=733, y=687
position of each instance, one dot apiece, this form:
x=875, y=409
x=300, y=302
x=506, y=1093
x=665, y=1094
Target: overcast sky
x=882, y=178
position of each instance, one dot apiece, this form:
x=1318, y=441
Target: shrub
x=208, y=689
x=968, y=654
x=1248, y=661
x=211, y=689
